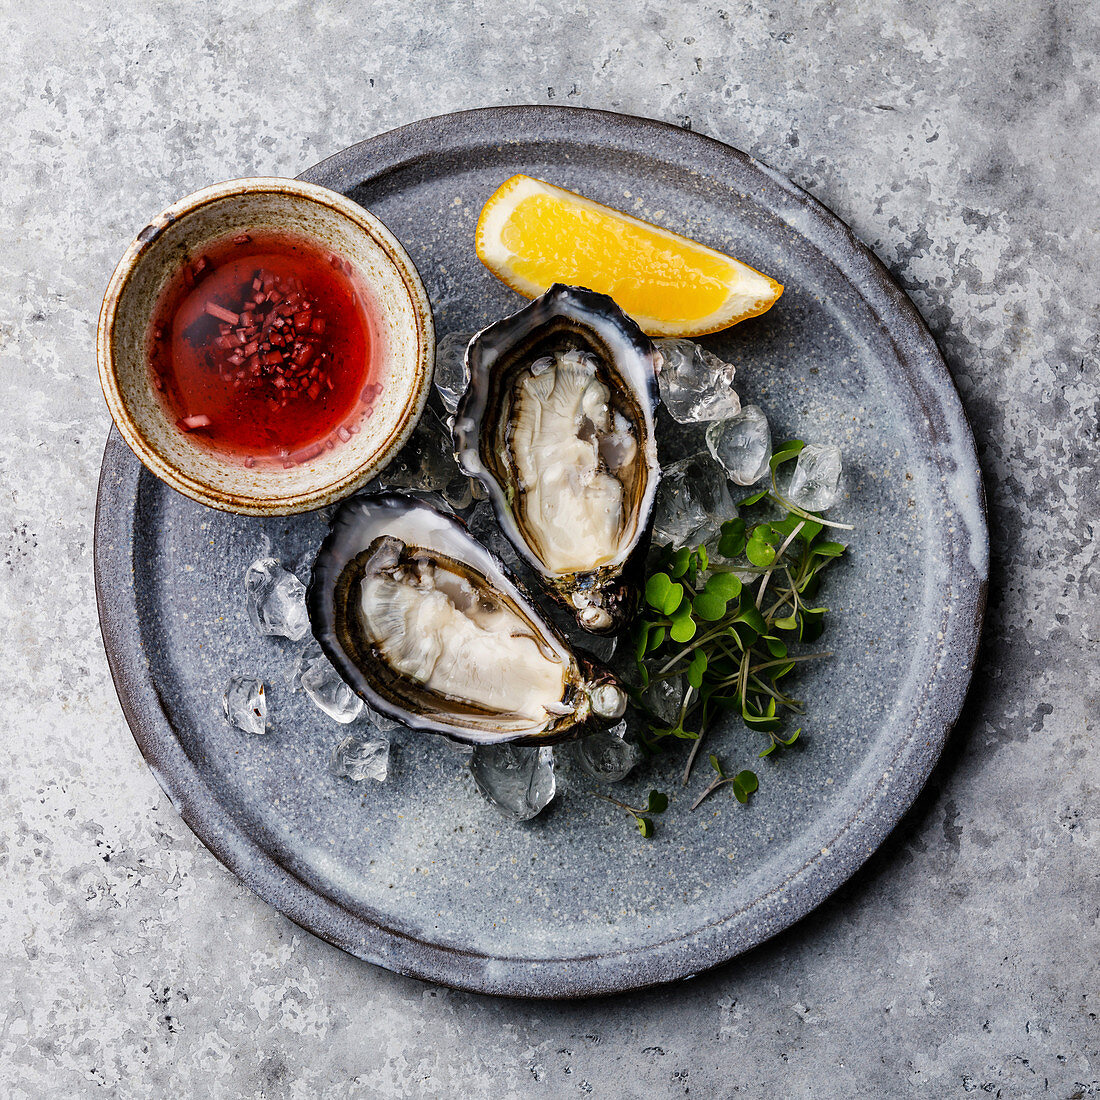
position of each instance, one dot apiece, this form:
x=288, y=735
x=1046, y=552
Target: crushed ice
x=357, y=759
x=245, y=704
x=517, y=779
x=695, y=384
x=276, y=600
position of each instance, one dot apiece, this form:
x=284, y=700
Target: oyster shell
x=427, y=626
x=558, y=425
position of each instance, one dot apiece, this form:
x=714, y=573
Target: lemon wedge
x=532, y=234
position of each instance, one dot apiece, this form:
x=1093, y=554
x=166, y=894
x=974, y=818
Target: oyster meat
x=558, y=424
x=427, y=626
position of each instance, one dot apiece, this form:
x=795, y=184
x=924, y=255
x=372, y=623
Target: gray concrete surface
x=960, y=141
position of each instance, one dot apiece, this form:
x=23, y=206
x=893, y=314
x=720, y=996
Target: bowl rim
x=202, y=491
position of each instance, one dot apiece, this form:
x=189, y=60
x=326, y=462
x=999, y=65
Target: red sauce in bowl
x=262, y=349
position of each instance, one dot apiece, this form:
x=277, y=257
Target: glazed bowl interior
x=402, y=334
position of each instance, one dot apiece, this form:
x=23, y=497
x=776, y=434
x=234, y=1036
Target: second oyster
x=427, y=626
x=558, y=425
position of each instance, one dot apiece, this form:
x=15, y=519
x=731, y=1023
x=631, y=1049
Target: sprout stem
x=778, y=557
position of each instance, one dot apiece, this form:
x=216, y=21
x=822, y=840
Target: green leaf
x=785, y=453
x=788, y=622
x=749, y=614
x=645, y=826
x=658, y=732
x=747, y=502
x=674, y=598
x=683, y=734
x=811, y=626
x=642, y=639
x=808, y=529
x=715, y=764
x=769, y=709
x=731, y=543
x=726, y=702
x=720, y=668
x=679, y=562
x=658, y=802
x=766, y=721
x=785, y=526
x=808, y=588
x=775, y=647
x=829, y=549
x=697, y=669
x=777, y=741
x=810, y=532
x=744, y=784
x=760, y=553
x=760, y=549
x=656, y=637
x=683, y=625
x=658, y=589
x=703, y=557
x=708, y=606
x=761, y=722
x=725, y=585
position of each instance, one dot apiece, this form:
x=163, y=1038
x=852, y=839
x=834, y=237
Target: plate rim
x=700, y=948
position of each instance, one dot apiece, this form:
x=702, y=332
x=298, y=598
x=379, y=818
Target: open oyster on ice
x=558, y=425
x=427, y=626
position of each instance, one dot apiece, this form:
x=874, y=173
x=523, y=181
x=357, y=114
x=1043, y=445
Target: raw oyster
x=558, y=425
x=428, y=627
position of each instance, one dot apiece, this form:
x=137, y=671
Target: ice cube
x=372, y=721
x=358, y=759
x=451, y=378
x=742, y=445
x=601, y=646
x=483, y=525
x=304, y=564
x=426, y=462
x=517, y=779
x=459, y=493
x=380, y=722
x=693, y=501
x=664, y=697
x=245, y=704
x=815, y=483
x=322, y=683
x=695, y=384
x=276, y=600
x=607, y=755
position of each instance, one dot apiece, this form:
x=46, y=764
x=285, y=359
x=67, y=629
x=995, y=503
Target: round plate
x=419, y=874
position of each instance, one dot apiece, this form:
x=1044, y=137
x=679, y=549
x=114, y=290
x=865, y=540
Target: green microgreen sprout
x=744, y=783
x=729, y=624
x=657, y=804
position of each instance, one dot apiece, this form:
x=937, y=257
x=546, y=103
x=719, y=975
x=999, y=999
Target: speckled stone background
x=960, y=141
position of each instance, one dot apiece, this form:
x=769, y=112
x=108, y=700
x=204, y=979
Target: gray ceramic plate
x=420, y=875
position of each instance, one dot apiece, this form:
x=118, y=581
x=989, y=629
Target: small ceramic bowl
x=403, y=364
